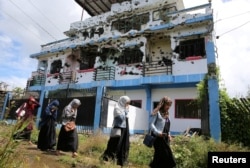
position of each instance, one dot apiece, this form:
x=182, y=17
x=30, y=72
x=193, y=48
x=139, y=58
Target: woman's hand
x=163, y=135
x=170, y=137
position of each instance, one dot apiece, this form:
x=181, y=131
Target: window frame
x=182, y=104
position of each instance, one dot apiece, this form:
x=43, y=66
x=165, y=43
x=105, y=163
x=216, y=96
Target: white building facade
x=143, y=49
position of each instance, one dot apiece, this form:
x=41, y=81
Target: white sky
x=27, y=24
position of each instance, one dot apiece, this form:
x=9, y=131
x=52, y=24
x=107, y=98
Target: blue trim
x=39, y=111
x=58, y=41
x=199, y=19
x=98, y=105
x=7, y=96
x=130, y=45
x=210, y=52
x=154, y=81
x=148, y=102
x=214, y=110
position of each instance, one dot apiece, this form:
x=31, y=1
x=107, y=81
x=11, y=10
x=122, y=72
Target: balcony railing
x=67, y=77
x=38, y=80
x=157, y=67
x=107, y=73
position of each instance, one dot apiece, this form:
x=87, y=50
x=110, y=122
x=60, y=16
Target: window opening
x=136, y=103
x=187, y=109
x=131, y=23
x=130, y=56
x=56, y=66
x=191, y=48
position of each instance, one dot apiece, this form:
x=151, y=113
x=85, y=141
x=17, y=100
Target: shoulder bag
x=149, y=138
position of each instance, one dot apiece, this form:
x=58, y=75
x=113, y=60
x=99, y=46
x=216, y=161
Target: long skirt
x=47, y=135
x=118, y=147
x=163, y=156
x=67, y=140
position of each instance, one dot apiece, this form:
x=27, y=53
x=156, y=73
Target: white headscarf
x=123, y=100
x=75, y=102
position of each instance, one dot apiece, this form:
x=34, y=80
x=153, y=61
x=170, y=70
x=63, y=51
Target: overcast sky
x=27, y=24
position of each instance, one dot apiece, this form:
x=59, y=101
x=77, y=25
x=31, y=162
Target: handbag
x=115, y=132
x=149, y=138
x=20, y=112
x=69, y=126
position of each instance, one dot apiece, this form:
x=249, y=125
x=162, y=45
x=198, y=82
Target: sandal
x=74, y=154
x=58, y=153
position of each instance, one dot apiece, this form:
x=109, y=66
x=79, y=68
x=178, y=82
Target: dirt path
x=35, y=158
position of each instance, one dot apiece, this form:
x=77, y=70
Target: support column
x=39, y=110
x=7, y=96
x=98, y=107
x=213, y=92
x=148, y=101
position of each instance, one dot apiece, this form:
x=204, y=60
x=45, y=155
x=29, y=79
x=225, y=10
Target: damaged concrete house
x=145, y=49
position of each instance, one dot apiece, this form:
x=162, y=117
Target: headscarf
x=53, y=104
x=69, y=113
x=48, y=114
x=75, y=102
x=34, y=103
x=123, y=100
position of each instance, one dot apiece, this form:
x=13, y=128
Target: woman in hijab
x=118, y=146
x=47, y=134
x=68, y=138
x=160, y=126
x=25, y=116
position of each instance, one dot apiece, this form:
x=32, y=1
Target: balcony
x=157, y=68
x=38, y=79
x=107, y=73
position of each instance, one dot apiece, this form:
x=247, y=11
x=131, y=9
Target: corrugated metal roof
x=97, y=7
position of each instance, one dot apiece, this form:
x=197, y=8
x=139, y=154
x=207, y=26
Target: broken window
x=187, y=109
x=162, y=13
x=55, y=66
x=88, y=56
x=131, y=23
x=191, y=48
x=130, y=56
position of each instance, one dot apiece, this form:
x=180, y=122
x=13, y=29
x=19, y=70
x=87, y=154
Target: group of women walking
x=47, y=139
x=118, y=144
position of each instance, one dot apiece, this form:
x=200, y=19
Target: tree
x=17, y=92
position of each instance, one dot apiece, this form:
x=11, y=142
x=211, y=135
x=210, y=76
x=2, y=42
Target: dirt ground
x=42, y=159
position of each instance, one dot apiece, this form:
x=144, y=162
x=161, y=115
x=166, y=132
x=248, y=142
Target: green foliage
x=139, y=154
x=235, y=119
x=235, y=114
x=8, y=146
x=192, y=152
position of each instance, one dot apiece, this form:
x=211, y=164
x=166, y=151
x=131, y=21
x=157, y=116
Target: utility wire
x=217, y=37
x=33, y=20
x=231, y=17
x=25, y=27
x=45, y=16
